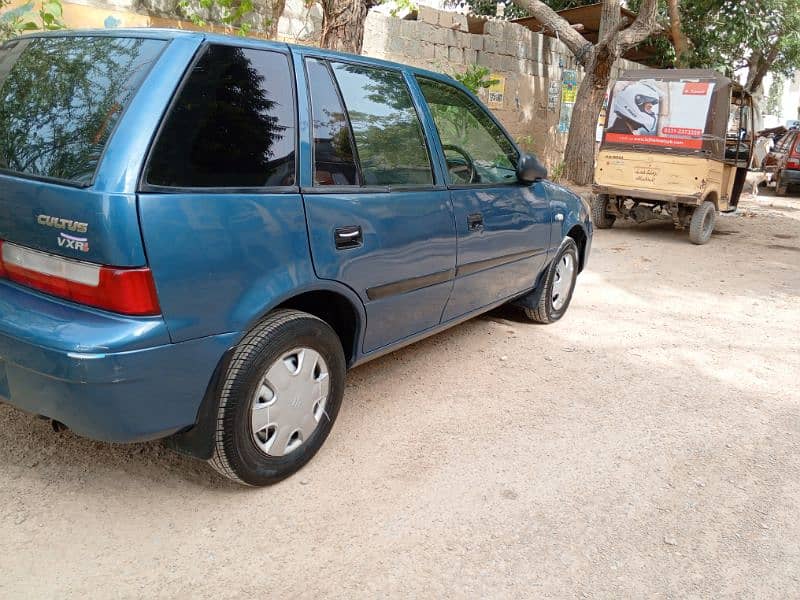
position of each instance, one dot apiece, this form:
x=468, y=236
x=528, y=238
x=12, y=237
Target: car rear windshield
x=60, y=98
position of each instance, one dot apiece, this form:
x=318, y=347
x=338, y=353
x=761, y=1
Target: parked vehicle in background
x=677, y=146
x=783, y=161
x=201, y=233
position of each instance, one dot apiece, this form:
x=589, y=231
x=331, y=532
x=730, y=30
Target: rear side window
x=334, y=157
x=389, y=139
x=60, y=98
x=232, y=125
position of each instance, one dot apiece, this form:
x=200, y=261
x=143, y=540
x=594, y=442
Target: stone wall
x=526, y=62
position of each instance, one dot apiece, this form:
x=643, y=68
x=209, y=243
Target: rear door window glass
x=232, y=125
x=389, y=138
x=60, y=98
x=476, y=149
x=334, y=157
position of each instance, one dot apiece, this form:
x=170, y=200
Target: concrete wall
x=527, y=63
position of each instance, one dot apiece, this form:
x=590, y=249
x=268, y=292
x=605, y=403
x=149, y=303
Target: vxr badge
x=65, y=240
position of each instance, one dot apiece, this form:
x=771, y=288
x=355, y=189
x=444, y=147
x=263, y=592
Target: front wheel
x=279, y=400
x=559, y=283
x=600, y=216
x=702, y=224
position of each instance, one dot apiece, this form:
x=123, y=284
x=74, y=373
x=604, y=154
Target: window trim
x=420, y=118
x=356, y=158
x=144, y=187
x=467, y=186
x=84, y=34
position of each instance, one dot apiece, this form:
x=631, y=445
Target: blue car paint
x=223, y=261
x=113, y=230
x=406, y=235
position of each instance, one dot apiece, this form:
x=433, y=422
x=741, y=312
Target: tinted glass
x=389, y=139
x=476, y=149
x=60, y=98
x=334, y=160
x=232, y=126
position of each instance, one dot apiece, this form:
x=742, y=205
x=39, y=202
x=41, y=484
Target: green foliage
x=476, y=78
x=729, y=35
x=525, y=142
x=557, y=173
x=23, y=18
x=230, y=13
x=400, y=6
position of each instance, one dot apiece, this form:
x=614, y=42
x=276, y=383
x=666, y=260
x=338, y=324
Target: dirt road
x=648, y=445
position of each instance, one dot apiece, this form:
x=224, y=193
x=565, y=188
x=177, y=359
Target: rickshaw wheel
x=702, y=224
x=601, y=218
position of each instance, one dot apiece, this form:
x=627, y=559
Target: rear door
x=503, y=226
x=221, y=213
x=62, y=97
x=378, y=220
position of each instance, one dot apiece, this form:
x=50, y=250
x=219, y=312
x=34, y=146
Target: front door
x=377, y=221
x=503, y=226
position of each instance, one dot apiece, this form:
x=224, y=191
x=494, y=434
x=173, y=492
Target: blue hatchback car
x=200, y=234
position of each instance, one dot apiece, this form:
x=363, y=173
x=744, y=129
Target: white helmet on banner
x=632, y=104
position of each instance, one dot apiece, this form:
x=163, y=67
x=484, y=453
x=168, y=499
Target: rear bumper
x=647, y=195
x=790, y=176
x=106, y=377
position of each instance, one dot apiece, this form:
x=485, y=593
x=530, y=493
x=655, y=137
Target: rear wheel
x=600, y=216
x=279, y=399
x=781, y=187
x=702, y=224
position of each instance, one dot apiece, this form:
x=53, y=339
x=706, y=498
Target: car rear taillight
x=125, y=291
x=793, y=163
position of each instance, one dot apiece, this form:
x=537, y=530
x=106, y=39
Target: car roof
x=168, y=34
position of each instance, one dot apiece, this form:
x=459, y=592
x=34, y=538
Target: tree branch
x=761, y=66
x=573, y=40
x=645, y=25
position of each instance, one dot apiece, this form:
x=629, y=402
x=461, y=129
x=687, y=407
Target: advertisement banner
x=659, y=113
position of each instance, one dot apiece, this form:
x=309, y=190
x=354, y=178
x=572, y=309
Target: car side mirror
x=530, y=170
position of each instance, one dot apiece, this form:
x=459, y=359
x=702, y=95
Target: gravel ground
x=647, y=445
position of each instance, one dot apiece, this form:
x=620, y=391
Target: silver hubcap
x=290, y=401
x=563, y=281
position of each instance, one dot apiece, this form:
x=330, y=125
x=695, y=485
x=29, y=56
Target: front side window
x=232, y=126
x=388, y=134
x=61, y=97
x=476, y=149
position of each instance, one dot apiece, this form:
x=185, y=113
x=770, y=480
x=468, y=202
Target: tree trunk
x=579, y=154
x=343, y=25
x=760, y=65
x=597, y=61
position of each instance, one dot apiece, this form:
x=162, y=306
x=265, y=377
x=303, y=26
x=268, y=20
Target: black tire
x=781, y=188
x=236, y=455
x=545, y=312
x=702, y=224
x=600, y=217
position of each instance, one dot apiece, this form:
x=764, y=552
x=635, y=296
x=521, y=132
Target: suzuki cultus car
x=200, y=234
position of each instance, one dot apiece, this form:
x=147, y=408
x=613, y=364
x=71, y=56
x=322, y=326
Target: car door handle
x=349, y=236
x=475, y=221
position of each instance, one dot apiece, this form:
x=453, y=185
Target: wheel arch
x=335, y=304
x=578, y=233
x=712, y=197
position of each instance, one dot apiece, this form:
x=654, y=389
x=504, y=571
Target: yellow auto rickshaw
x=676, y=145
